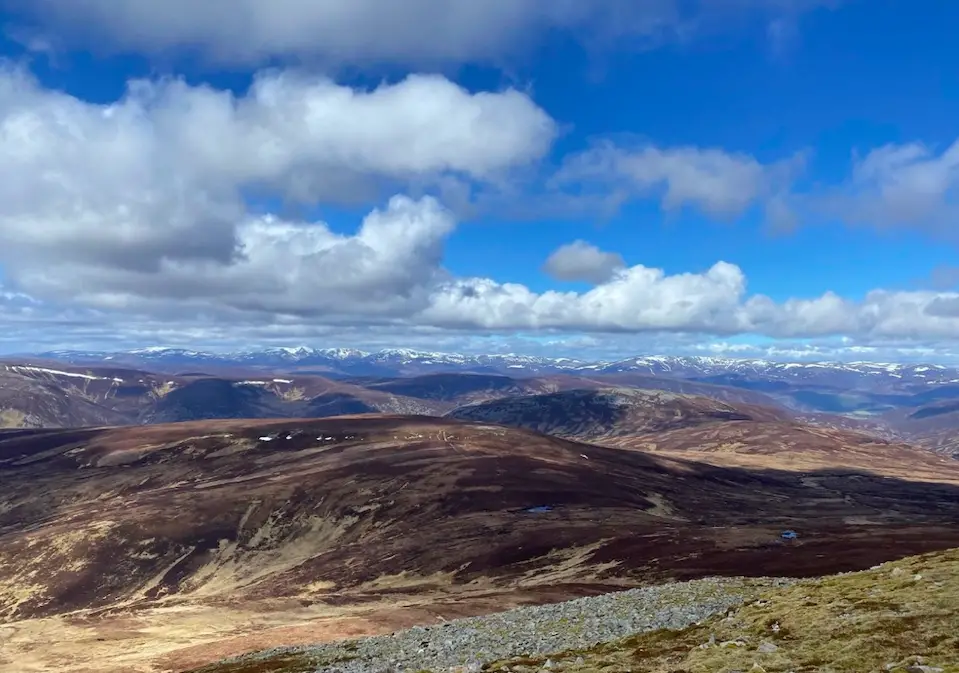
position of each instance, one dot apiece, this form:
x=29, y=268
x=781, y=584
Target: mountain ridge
x=352, y=359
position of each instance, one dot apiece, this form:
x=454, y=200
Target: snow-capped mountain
x=338, y=361
x=827, y=373
x=753, y=373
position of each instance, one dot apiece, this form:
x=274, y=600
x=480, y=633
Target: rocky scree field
x=898, y=617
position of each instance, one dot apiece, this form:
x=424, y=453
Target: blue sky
x=566, y=177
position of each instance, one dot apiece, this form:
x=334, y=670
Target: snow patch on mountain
x=405, y=361
x=26, y=369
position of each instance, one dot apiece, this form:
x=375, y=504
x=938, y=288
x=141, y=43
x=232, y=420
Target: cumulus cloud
x=159, y=176
x=413, y=32
x=909, y=185
x=719, y=183
x=638, y=298
x=137, y=211
x=383, y=283
x=902, y=185
x=945, y=307
x=387, y=268
x=581, y=261
x=896, y=185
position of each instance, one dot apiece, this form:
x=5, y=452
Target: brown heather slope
x=943, y=442
x=730, y=394
x=707, y=430
x=795, y=447
x=34, y=396
x=601, y=414
x=163, y=547
x=458, y=389
x=466, y=388
x=934, y=425
x=52, y=395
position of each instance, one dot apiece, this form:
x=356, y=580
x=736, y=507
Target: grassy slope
x=876, y=620
x=890, y=618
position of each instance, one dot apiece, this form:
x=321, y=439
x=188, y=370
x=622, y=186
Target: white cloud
x=11, y=297
x=581, y=261
x=303, y=278
x=636, y=299
x=46, y=326
x=158, y=177
x=907, y=185
x=134, y=214
x=412, y=32
x=902, y=185
x=386, y=269
x=719, y=183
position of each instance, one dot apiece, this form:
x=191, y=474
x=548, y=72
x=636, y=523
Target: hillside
x=944, y=442
x=43, y=393
x=50, y=395
x=597, y=415
x=38, y=397
x=896, y=617
x=683, y=386
x=707, y=430
x=175, y=543
x=53, y=395
x=793, y=446
x=451, y=387
x=467, y=388
x=861, y=390
x=934, y=425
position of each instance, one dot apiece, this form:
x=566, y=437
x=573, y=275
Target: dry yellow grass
x=900, y=617
x=291, y=394
x=11, y=418
x=163, y=389
x=894, y=618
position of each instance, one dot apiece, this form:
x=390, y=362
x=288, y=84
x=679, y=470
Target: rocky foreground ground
x=900, y=617
x=472, y=643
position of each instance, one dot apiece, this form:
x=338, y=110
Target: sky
x=743, y=178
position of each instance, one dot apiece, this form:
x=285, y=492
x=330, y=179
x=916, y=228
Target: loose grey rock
x=465, y=645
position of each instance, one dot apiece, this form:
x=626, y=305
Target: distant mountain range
x=916, y=402
x=348, y=362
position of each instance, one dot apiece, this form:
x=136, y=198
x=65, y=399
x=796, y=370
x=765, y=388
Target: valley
x=452, y=336
x=910, y=403
x=168, y=520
